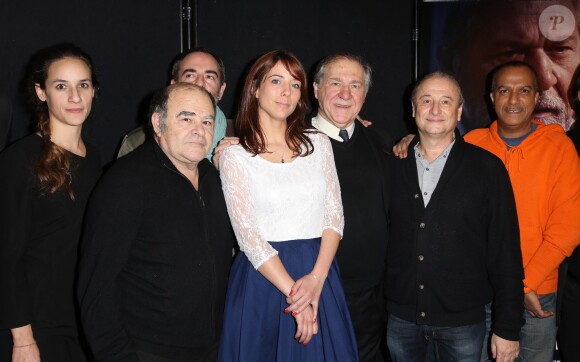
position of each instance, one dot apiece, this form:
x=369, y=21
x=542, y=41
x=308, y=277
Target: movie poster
x=470, y=38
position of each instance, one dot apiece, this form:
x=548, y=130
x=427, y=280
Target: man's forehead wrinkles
x=186, y=113
x=351, y=78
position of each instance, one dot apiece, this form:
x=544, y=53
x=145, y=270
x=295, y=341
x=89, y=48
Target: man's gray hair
x=436, y=74
x=325, y=62
x=159, y=101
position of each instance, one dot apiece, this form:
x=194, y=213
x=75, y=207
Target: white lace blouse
x=271, y=202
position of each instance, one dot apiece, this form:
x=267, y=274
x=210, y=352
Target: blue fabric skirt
x=256, y=328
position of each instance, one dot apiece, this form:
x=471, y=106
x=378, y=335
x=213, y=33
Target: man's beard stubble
x=549, y=101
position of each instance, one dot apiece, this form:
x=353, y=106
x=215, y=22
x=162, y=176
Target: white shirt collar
x=329, y=129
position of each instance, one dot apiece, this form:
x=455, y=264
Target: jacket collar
x=202, y=166
x=451, y=166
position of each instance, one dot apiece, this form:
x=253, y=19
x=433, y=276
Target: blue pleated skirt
x=256, y=328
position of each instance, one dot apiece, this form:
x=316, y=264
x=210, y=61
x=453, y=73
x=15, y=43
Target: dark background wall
x=132, y=44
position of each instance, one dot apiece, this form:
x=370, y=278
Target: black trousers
x=568, y=341
x=210, y=356
x=368, y=318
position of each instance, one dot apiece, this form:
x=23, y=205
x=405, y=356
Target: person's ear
x=40, y=93
x=156, y=123
x=221, y=91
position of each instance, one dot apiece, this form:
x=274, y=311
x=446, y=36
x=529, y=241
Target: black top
x=447, y=260
x=155, y=259
x=5, y=119
x=574, y=260
x=361, y=168
x=39, y=238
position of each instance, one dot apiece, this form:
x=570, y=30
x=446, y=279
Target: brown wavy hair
x=247, y=125
x=53, y=165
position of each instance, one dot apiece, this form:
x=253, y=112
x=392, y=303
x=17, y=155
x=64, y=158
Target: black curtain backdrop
x=132, y=44
x=380, y=31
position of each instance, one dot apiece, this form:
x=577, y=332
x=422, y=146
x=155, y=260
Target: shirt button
x=421, y=257
x=421, y=286
x=427, y=169
x=422, y=314
x=416, y=196
x=422, y=225
x=424, y=193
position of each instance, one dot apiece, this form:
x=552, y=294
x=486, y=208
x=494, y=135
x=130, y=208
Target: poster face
x=470, y=38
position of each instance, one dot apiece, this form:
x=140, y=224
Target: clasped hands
x=303, y=299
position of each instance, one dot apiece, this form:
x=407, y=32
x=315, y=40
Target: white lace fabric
x=272, y=202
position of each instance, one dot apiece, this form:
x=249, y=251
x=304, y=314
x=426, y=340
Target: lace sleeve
x=333, y=212
x=236, y=187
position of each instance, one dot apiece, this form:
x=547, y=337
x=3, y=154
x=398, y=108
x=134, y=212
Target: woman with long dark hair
x=283, y=198
x=46, y=180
